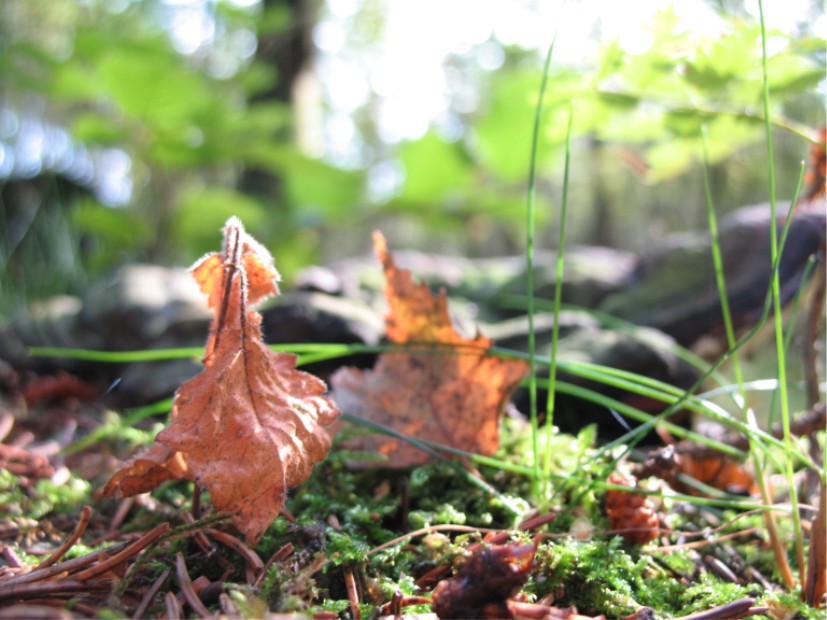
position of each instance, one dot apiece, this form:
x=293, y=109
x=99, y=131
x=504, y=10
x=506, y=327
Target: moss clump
x=710, y=592
x=601, y=576
x=43, y=497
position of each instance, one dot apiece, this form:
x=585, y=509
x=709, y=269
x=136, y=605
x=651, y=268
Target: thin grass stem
x=530, y=234
x=777, y=315
x=717, y=260
x=558, y=300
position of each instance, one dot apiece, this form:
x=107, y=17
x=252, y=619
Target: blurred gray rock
x=673, y=288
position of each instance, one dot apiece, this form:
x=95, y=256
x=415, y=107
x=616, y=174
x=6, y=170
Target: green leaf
x=313, y=183
x=202, y=210
x=90, y=127
x=150, y=83
x=276, y=18
x=310, y=183
x=732, y=57
x=503, y=134
x=789, y=73
x=121, y=228
x=726, y=134
x=434, y=170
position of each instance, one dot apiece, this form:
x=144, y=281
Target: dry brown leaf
x=250, y=426
x=485, y=583
x=633, y=515
x=719, y=472
x=455, y=396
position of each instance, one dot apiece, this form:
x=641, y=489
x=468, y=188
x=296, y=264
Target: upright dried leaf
x=250, y=425
x=455, y=396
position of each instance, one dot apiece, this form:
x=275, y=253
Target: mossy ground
x=343, y=521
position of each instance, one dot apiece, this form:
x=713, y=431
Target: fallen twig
x=11, y=557
x=253, y=561
x=60, y=586
x=68, y=567
x=140, y=611
x=174, y=611
x=132, y=550
x=282, y=554
x=399, y=601
x=731, y=611
x=190, y=595
x=352, y=594
x=80, y=528
x=124, y=506
x=816, y=586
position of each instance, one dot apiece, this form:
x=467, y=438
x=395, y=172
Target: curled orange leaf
x=250, y=426
x=442, y=387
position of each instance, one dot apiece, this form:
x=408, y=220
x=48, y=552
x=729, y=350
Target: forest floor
x=366, y=543
x=550, y=524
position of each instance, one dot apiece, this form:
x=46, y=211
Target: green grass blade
x=530, y=235
x=777, y=315
x=558, y=298
x=717, y=260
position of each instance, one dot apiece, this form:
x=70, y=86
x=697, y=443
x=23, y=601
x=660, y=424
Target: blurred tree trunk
x=602, y=228
x=287, y=51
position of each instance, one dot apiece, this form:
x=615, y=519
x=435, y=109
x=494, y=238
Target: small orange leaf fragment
x=456, y=396
x=250, y=426
x=633, y=514
x=719, y=472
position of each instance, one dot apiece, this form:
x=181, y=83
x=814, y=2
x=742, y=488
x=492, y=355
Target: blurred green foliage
x=191, y=127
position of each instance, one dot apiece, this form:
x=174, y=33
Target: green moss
x=790, y=605
x=708, y=592
x=345, y=549
x=42, y=498
x=600, y=576
x=344, y=516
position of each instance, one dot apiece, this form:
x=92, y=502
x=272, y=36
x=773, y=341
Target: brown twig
x=11, y=557
x=23, y=462
x=34, y=612
x=816, y=586
x=720, y=569
x=190, y=595
x=251, y=558
x=399, y=601
x=139, y=545
x=80, y=528
x=352, y=594
x=68, y=567
x=196, y=501
x=282, y=554
x=731, y=611
x=123, y=509
x=812, y=327
x=174, y=611
x=60, y=586
x=140, y=611
x=432, y=577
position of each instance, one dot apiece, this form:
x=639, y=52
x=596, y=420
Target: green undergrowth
x=352, y=517
x=390, y=527
x=43, y=497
